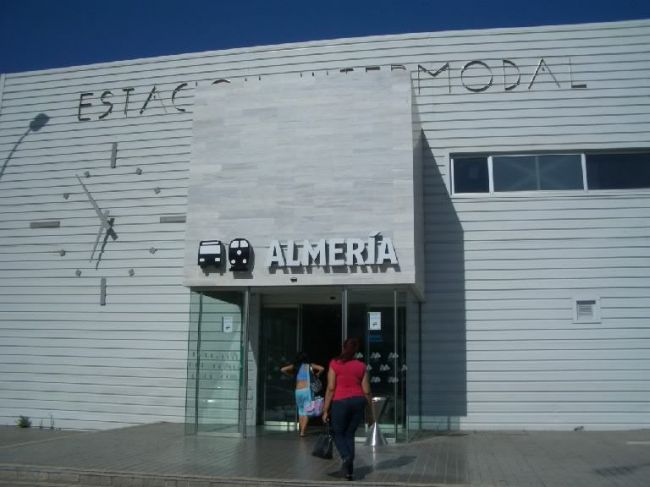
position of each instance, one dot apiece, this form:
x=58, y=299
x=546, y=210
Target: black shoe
x=347, y=468
x=341, y=472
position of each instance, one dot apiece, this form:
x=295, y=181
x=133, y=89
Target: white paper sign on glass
x=227, y=324
x=374, y=320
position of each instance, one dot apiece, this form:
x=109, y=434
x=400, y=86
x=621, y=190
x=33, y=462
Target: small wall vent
x=586, y=310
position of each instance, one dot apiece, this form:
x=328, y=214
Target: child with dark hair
x=300, y=370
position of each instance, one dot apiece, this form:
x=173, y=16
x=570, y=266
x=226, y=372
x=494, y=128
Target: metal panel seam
x=2, y=88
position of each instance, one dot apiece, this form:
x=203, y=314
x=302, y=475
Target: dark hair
x=349, y=349
x=301, y=358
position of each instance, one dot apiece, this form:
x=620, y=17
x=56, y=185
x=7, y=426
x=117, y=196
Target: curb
x=33, y=475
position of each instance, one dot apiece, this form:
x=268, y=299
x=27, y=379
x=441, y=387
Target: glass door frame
x=254, y=297
x=370, y=299
x=263, y=367
x=299, y=308
x=229, y=315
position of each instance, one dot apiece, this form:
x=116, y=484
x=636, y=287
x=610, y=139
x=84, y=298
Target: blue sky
x=40, y=34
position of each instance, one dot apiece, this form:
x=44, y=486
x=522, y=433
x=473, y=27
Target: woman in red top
x=348, y=392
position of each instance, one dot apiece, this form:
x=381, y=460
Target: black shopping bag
x=324, y=444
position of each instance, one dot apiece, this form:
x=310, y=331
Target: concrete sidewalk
x=162, y=455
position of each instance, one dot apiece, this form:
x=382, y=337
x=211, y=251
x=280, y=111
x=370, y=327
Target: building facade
x=475, y=205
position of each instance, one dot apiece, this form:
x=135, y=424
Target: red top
x=348, y=378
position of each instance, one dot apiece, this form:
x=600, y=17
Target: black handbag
x=314, y=382
x=323, y=448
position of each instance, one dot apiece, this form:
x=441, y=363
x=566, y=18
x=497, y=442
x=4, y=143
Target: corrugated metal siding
x=500, y=349
x=503, y=271
x=65, y=358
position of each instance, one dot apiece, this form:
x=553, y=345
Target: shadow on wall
x=444, y=348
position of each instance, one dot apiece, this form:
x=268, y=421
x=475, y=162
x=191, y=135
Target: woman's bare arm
x=287, y=369
x=329, y=393
x=365, y=386
x=319, y=369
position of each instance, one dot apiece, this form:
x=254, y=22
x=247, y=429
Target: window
x=471, y=175
x=534, y=173
x=550, y=172
x=618, y=171
x=518, y=173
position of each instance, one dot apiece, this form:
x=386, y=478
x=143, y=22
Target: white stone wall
x=303, y=159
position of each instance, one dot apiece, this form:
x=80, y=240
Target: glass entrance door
x=378, y=317
x=321, y=332
x=315, y=322
x=279, y=342
x=217, y=363
x=313, y=328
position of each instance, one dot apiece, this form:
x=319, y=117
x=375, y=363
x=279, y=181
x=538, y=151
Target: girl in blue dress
x=300, y=369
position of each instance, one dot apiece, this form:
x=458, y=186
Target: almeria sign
x=375, y=250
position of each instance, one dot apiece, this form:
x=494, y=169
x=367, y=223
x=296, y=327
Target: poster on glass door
x=374, y=320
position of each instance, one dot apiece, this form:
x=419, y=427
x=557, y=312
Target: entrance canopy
x=304, y=181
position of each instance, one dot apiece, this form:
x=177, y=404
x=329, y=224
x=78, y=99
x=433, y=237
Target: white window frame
x=490, y=167
x=490, y=174
x=583, y=162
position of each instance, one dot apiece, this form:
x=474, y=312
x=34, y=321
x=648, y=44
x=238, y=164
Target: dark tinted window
x=618, y=171
x=471, y=175
x=538, y=172
x=514, y=173
x=560, y=172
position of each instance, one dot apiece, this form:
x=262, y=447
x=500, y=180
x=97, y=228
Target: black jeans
x=346, y=414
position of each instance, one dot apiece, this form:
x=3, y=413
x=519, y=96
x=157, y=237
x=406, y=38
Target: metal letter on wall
x=127, y=92
x=511, y=86
x=542, y=66
x=83, y=105
x=153, y=95
x=573, y=83
x=104, y=101
x=174, y=93
x=445, y=67
x=469, y=65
